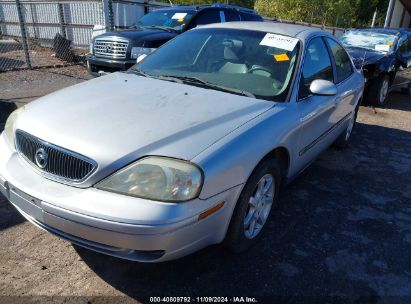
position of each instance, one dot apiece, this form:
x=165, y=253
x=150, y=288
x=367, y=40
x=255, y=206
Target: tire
x=378, y=91
x=239, y=237
x=343, y=139
x=407, y=90
x=90, y=71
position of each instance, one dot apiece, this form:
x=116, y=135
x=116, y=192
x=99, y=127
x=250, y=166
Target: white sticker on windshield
x=382, y=47
x=179, y=16
x=279, y=41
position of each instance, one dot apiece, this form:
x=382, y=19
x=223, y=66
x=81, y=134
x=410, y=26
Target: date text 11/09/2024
x=203, y=300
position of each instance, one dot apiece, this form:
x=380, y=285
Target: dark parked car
x=384, y=54
x=115, y=51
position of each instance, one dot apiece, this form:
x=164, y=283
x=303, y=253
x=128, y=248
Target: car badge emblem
x=109, y=48
x=41, y=158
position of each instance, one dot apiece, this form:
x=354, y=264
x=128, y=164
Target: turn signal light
x=211, y=211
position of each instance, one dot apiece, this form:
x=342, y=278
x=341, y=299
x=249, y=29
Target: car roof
x=293, y=30
x=202, y=7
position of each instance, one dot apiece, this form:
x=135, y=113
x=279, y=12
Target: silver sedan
x=188, y=148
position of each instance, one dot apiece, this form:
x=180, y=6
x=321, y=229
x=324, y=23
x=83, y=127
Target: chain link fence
x=47, y=33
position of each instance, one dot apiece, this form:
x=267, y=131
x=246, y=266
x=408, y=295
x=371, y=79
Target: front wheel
x=254, y=206
x=378, y=90
x=407, y=90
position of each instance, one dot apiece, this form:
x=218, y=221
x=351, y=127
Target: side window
x=250, y=17
x=404, y=44
x=231, y=15
x=317, y=65
x=342, y=60
x=207, y=17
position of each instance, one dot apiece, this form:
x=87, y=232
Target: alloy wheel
x=384, y=90
x=259, y=206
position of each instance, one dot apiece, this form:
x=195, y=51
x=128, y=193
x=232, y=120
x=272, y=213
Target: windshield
x=254, y=63
x=369, y=40
x=172, y=19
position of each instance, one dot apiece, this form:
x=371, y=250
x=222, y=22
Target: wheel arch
x=282, y=155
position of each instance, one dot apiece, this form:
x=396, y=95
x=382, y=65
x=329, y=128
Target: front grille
x=54, y=161
x=110, y=49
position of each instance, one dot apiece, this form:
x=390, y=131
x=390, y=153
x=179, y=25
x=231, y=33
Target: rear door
x=316, y=112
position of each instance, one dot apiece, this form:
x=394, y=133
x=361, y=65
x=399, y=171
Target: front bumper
x=97, y=64
x=109, y=223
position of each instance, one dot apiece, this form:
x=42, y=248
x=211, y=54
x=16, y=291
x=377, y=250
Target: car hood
x=141, y=35
x=118, y=118
x=368, y=56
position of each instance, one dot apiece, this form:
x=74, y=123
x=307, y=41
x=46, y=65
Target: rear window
x=342, y=61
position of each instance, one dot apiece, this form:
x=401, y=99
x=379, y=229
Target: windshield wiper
x=160, y=77
x=206, y=84
x=167, y=29
x=140, y=72
x=134, y=26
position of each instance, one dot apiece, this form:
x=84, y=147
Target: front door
x=316, y=112
x=403, y=75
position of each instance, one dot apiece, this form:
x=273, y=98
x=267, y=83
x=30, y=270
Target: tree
x=341, y=13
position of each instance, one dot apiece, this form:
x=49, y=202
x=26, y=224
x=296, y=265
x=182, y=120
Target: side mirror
x=141, y=57
x=323, y=88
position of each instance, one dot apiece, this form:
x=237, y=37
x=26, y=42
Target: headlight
x=137, y=51
x=156, y=178
x=9, y=128
x=91, y=48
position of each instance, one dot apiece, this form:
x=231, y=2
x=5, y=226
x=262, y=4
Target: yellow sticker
x=180, y=20
x=389, y=43
x=281, y=57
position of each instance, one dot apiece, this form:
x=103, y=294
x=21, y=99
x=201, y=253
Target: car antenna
x=278, y=11
x=171, y=3
x=365, y=52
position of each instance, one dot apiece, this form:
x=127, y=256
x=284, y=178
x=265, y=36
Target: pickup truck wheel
x=90, y=70
x=254, y=205
x=379, y=90
x=407, y=90
x=343, y=140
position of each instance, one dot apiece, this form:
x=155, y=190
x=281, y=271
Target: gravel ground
x=24, y=86
x=343, y=234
